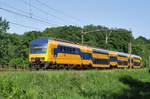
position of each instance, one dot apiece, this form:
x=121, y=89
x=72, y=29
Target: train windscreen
x=38, y=49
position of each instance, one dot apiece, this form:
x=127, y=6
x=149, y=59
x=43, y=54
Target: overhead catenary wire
x=45, y=12
x=23, y=15
x=59, y=11
x=30, y=11
x=21, y=25
x=12, y=7
x=31, y=15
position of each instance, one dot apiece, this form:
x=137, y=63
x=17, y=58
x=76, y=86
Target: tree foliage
x=4, y=25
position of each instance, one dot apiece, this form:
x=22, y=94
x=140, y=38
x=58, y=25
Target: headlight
x=32, y=59
x=42, y=59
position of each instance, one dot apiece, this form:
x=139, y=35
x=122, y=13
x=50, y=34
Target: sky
x=128, y=14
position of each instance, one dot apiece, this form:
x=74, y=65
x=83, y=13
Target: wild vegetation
x=14, y=48
x=104, y=84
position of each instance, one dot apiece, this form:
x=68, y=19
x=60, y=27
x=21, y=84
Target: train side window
x=61, y=49
x=64, y=49
x=70, y=50
x=77, y=51
x=73, y=50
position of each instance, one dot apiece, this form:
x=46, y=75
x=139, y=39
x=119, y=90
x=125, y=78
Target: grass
x=61, y=84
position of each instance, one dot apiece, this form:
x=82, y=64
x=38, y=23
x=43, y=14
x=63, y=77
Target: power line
x=30, y=12
x=25, y=26
x=61, y=19
x=56, y=10
x=12, y=7
x=31, y=15
x=19, y=14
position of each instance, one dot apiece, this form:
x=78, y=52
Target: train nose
x=37, y=63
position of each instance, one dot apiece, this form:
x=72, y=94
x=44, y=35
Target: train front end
x=38, y=53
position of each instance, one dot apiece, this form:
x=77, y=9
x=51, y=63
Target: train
x=52, y=53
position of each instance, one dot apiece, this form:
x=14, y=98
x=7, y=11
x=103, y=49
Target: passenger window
x=61, y=49
x=73, y=50
x=64, y=49
x=76, y=51
x=70, y=50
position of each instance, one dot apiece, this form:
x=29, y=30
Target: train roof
x=100, y=50
x=123, y=54
x=60, y=40
x=39, y=41
x=136, y=56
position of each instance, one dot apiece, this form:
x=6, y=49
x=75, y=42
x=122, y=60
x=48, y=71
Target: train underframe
x=48, y=65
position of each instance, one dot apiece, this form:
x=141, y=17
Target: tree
x=4, y=25
x=141, y=46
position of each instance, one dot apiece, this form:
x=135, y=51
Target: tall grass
x=92, y=84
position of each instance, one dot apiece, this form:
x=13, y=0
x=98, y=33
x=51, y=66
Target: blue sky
x=127, y=14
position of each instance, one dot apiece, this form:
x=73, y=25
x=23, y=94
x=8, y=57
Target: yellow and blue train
x=54, y=53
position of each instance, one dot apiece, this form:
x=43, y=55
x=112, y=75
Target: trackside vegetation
x=92, y=84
